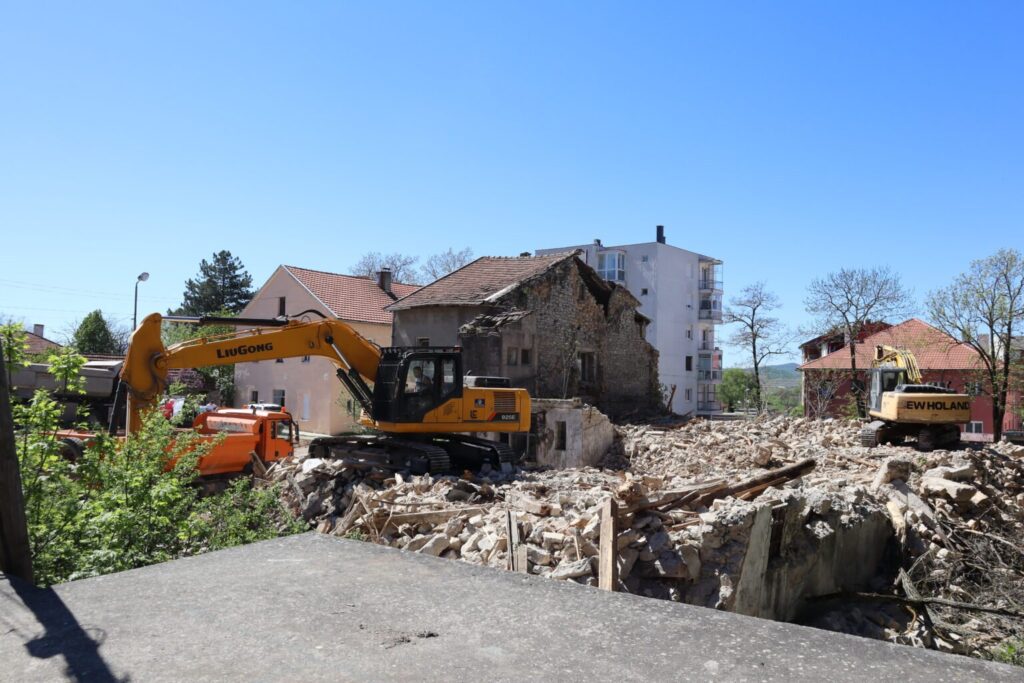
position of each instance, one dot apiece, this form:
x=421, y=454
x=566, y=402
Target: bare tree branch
x=847, y=300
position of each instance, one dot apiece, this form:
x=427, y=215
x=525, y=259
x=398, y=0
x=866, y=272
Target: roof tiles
x=934, y=349
x=480, y=280
x=350, y=297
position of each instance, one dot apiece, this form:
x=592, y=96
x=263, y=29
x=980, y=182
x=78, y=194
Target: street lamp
x=135, y=310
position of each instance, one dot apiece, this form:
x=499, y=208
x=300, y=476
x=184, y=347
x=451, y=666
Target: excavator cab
x=883, y=380
x=412, y=382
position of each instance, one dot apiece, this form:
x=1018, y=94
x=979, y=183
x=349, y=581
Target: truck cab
x=271, y=434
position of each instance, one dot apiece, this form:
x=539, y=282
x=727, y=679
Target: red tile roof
x=350, y=297
x=934, y=349
x=480, y=280
x=37, y=344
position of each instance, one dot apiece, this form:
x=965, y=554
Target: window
x=560, y=435
x=689, y=333
x=280, y=306
x=525, y=357
x=512, y=356
x=254, y=396
x=974, y=427
x=283, y=430
x=689, y=363
x=644, y=259
x=422, y=341
x=587, y=365
x=279, y=397
x=643, y=292
x=305, y=406
x=611, y=266
x=305, y=359
x=689, y=394
x=447, y=377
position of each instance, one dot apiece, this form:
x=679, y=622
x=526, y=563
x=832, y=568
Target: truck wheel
x=71, y=448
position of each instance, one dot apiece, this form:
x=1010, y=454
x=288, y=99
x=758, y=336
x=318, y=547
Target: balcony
x=713, y=315
x=708, y=347
x=708, y=406
x=709, y=285
x=709, y=375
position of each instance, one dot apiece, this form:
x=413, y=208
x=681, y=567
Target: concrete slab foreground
x=311, y=607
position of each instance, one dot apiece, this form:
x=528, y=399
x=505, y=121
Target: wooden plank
x=516, y=550
x=607, y=573
x=15, y=552
x=662, y=498
x=430, y=516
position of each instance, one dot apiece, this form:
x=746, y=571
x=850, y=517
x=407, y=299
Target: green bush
x=121, y=503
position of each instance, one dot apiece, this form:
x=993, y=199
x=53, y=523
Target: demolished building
x=549, y=323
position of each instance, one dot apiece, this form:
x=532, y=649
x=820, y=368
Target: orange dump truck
x=272, y=435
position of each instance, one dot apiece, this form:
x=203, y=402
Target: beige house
x=309, y=386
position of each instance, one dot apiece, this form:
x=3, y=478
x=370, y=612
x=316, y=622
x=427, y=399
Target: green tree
x=14, y=340
x=220, y=377
x=736, y=387
x=94, y=335
x=122, y=504
x=984, y=308
x=222, y=285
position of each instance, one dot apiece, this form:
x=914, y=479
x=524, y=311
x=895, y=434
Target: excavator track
x=472, y=452
x=384, y=452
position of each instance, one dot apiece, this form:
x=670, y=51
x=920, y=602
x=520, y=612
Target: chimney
x=597, y=243
x=661, y=234
x=37, y=330
x=384, y=280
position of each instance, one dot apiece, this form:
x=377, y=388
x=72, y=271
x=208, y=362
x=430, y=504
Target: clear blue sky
x=788, y=139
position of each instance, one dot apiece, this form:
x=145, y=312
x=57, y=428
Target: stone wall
x=572, y=312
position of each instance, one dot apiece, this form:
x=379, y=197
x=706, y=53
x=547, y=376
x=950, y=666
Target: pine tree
x=93, y=335
x=222, y=285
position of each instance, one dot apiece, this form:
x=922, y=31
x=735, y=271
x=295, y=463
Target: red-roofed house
x=941, y=358
x=308, y=386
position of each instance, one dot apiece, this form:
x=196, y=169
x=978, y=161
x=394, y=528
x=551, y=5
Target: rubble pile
x=782, y=518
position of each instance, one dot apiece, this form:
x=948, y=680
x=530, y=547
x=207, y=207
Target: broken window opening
x=525, y=358
x=559, y=435
x=689, y=363
x=254, y=396
x=512, y=356
x=281, y=306
x=587, y=366
x=278, y=397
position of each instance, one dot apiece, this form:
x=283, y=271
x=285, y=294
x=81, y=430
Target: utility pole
x=15, y=554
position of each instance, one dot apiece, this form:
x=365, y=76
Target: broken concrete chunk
x=954, y=491
x=571, y=570
x=896, y=467
x=435, y=545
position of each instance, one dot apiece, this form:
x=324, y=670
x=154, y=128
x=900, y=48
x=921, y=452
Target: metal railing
x=709, y=375
x=710, y=314
x=708, y=346
x=707, y=406
x=709, y=284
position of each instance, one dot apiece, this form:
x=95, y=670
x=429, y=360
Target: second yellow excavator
x=902, y=405
x=415, y=400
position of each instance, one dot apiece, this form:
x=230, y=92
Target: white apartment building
x=681, y=292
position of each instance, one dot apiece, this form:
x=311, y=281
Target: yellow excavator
x=902, y=405
x=414, y=400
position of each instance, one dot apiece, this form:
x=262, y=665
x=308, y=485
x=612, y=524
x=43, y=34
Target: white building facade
x=681, y=292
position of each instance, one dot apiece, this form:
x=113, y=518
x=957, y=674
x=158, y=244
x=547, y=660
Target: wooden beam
x=607, y=573
x=15, y=552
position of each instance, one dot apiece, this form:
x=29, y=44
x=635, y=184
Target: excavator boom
x=416, y=398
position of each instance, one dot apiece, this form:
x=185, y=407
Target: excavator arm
x=148, y=361
x=890, y=356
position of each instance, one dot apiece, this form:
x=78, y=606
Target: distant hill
x=781, y=375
